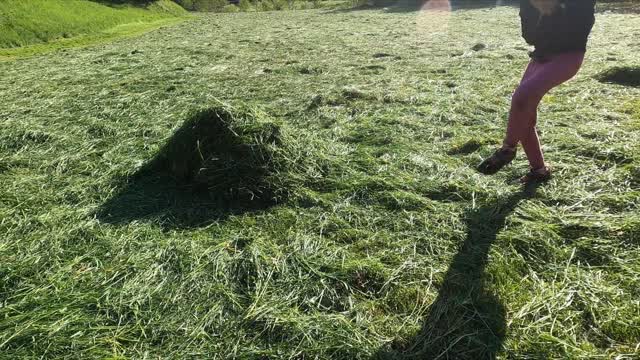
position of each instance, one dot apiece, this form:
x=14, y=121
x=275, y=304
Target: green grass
x=35, y=26
x=387, y=244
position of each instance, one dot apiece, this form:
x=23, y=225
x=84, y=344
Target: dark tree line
x=202, y=5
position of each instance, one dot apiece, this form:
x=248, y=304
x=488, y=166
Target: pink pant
x=538, y=79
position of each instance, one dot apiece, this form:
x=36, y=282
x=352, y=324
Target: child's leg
x=530, y=142
x=531, y=145
x=538, y=80
x=520, y=113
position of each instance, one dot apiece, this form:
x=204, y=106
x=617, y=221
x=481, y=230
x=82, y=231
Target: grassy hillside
x=24, y=23
x=384, y=241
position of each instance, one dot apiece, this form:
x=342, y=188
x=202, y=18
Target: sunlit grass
x=388, y=243
x=36, y=26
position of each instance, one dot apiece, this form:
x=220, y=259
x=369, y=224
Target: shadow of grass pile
x=621, y=75
x=234, y=155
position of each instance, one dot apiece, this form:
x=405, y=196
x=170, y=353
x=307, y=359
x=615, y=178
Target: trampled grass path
x=390, y=245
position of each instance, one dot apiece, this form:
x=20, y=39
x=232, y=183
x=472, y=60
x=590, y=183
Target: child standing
x=559, y=31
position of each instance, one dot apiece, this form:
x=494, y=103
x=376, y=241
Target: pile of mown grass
x=222, y=161
x=238, y=155
x=32, y=22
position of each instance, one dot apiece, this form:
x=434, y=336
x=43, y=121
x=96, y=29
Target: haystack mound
x=234, y=155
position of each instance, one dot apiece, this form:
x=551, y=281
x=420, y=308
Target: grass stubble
x=385, y=223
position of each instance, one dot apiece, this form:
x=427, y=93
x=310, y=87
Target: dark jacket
x=567, y=30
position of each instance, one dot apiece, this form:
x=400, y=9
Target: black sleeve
x=528, y=19
x=580, y=15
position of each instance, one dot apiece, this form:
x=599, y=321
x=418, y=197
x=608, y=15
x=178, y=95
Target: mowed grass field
x=38, y=26
x=388, y=244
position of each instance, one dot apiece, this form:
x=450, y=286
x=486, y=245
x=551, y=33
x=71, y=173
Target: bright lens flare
x=433, y=18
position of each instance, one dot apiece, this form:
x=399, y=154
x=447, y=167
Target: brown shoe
x=537, y=176
x=501, y=158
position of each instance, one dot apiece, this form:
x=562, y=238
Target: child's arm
x=581, y=16
x=528, y=19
